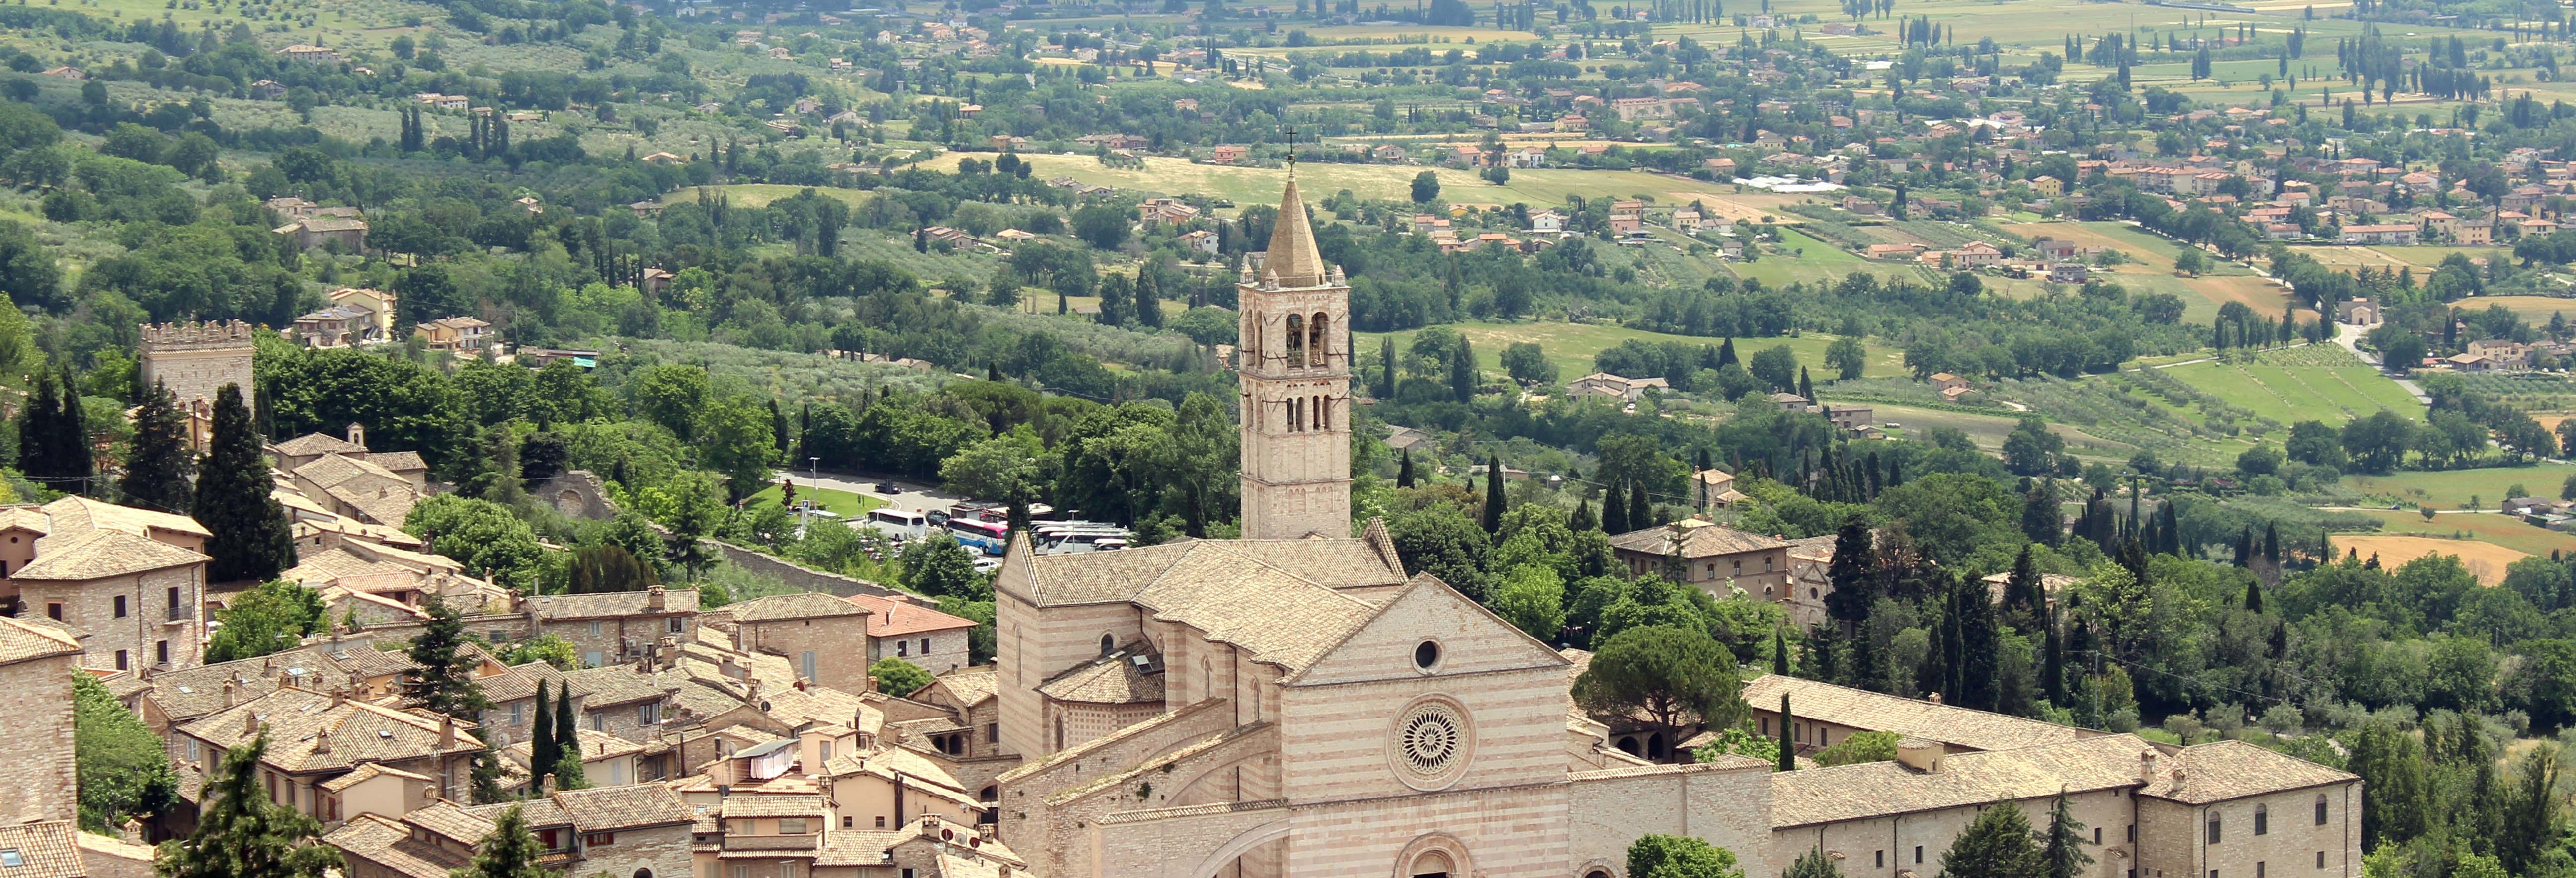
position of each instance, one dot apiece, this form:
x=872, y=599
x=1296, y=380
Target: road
x=2350, y=337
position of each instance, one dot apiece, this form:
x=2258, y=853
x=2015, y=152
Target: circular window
x=1427, y=655
x=1430, y=743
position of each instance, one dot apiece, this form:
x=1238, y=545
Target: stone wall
x=832, y=642
x=143, y=628
x=659, y=852
x=577, y=493
x=37, y=783
x=1886, y=847
x=797, y=575
x=1728, y=805
x=2293, y=841
x=198, y=359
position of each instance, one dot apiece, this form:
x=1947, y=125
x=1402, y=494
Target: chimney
x=656, y=598
x=357, y=434
x=322, y=740
x=446, y=732
x=1918, y=754
x=1934, y=698
x=250, y=725
x=228, y=693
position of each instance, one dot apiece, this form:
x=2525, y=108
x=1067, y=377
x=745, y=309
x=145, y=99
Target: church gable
x=1464, y=637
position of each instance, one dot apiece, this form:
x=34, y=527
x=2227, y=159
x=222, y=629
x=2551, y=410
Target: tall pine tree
x=1494, y=493
x=249, y=538
x=445, y=682
x=2063, y=856
x=157, y=469
x=1614, y=510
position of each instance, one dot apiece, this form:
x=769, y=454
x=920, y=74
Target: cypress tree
x=1779, y=651
x=36, y=453
x=1462, y=372
x=2244, y=547
x=1614, y=511
x=77, y=461
x=1788, y=742
x=1806, y=386
x=1641, y=511
x=250, y=539
x=1583, y=520
x=1494, y=493
x=1386, y=367
x=567, y=733
x=1726, y=352
x=541, y=742
x=2254, y=596
x=2052, y=673
x=156, y=473
x=1404, y=470
x=2272, y=543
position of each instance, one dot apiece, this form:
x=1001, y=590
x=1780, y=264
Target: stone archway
x=1434, y=853
x=1242, y=843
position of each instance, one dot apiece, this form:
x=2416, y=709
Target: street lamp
x=812, y=467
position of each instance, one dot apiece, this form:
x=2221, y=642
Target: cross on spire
x=1292, y=150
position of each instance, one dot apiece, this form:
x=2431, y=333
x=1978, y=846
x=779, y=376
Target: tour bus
x=1053, y=539
x=993, y=537
x=900, y=524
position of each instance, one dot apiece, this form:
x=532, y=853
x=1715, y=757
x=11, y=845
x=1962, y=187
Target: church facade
x=1291, y=703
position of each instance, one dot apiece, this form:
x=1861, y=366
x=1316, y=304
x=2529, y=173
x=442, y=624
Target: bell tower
x=1294, y=365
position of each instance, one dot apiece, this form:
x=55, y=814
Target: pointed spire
x=1292, y=242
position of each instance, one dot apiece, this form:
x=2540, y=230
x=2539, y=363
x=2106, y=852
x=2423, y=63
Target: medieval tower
x=196, y=360
x=1294, y=363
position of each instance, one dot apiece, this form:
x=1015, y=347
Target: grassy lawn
x=1572, y=346
x=2452, y=489
x=2290, y=394
x=842, y=503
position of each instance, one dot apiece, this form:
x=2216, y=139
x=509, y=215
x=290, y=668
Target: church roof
x=1115, y=678
x=1879, y=789
x=1698, y=540
x=1949, y=724
x=1292, y=243
x=2224, y=770
x=1123, y=576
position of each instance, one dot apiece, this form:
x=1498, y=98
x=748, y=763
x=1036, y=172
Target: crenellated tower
x=1294, y=365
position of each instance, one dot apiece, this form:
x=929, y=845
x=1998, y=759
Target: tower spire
x=1295, y=377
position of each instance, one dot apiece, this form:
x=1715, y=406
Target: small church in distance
x=1291, y=703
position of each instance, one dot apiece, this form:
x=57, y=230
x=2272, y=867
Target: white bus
x=900, y=524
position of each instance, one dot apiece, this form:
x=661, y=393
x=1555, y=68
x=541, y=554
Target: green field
x=2290, y=394
x=1572, y=345
x=1988, y=431
x=847, y=505
x=1257, y=185
x=2452, y=489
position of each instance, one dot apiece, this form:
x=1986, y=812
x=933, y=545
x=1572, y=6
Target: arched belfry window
x=1317, y=344
x=1296, y=339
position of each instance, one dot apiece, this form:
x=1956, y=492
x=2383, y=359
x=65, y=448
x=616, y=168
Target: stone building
x=131, y=581
x=611, y=627
x=820, y=635
x=1294, y=362
x=314, y=738
x=36, y=666
x=904, y=629
x=2227, y=807
x=195, y=360
x=1292, y=703
x=633, y=831
x=1711, y=556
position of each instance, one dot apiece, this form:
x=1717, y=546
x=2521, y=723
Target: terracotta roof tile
x=2226, y=770
x=1697, y=542
x=389, y=844
x=44, y=850
x=104, y=554
x=317, y=443
x=800, y=605
x=605, y=605
x=634, y=806
x=893, y=618
x=20, y=641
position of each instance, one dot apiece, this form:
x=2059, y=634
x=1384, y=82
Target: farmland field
x=2151, y=268
x=1253, y=185
x=1988, y=431
x=2487, y=561
x=2532, y=309
x=2453, y=489
x=2290, y=394
x=2505, y=531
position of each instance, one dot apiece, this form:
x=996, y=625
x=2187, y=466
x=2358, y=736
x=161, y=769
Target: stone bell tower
x=1294, y=362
